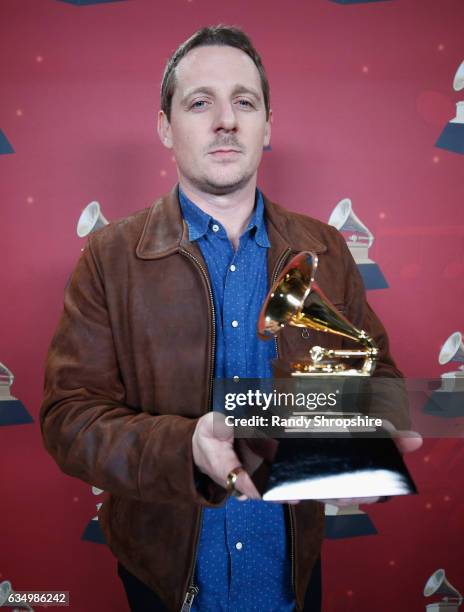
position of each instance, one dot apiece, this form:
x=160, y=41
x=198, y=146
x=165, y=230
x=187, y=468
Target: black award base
x=13, y=412
x=336, y=467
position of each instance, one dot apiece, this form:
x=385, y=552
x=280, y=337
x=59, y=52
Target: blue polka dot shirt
x=243, y=562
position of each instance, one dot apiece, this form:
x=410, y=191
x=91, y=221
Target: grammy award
x=6, y=592
x=12, y=410
x=438, y=584
x=448, y=400
x=453, y=351
x=452, y=137
x=359, y=240
x=341, y=461
x=92, y=531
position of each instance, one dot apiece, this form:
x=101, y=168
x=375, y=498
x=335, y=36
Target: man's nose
x=225, y=118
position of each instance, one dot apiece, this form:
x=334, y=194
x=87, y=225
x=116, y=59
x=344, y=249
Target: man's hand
x=406, y=441
x=214, y=455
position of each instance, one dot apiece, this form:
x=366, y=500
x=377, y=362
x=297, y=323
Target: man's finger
x=250, y=459
x=245, y=485
x=219, y=429
x=407, y=441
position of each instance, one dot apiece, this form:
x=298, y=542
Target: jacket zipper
x=192, y=590
x=279, y=267
x=189, y=597
x=213, y=318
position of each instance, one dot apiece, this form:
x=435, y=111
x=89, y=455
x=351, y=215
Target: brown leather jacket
x=129, y=372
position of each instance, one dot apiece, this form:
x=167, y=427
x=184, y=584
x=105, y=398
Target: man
x=161, y=303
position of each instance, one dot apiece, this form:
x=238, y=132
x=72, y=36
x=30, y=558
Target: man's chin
x=223, y=185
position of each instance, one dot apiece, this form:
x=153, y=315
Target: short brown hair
x=228, y=36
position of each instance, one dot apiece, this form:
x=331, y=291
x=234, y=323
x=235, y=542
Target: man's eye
x=245, y=103
x=198, y=104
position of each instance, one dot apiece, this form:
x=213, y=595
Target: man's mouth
x=224, y=152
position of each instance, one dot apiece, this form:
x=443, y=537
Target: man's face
x=218, y=121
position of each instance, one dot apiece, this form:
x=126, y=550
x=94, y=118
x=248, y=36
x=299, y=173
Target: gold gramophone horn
x=295, y=299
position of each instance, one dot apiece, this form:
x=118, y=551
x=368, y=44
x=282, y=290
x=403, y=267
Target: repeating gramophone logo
x=93, y=532
x=438, y=584
x=89, y=221
x=5, y=146
x=359, y=240
x=452, y=137
x=6, y=590
x=347, y=522
x=448, y=400
x=12, y=410
x=453, y=352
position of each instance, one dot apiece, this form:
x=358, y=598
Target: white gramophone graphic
x=438, y=584
x=5, y=591
x=93, y=532
x=452, y=137
x=12, y=410
x=453, y=351
x=359, y=239
x=91, y=219
x=448, y=400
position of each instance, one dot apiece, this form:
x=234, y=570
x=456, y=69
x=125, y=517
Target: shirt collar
x=198, y=221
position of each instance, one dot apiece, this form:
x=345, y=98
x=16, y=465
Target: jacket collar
x=165, y=232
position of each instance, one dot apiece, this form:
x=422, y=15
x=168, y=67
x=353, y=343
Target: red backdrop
x=360, y=94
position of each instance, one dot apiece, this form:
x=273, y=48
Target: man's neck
x=232, y=210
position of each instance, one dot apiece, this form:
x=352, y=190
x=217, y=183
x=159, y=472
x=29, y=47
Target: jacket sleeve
x=389, y=398
x=86, y=425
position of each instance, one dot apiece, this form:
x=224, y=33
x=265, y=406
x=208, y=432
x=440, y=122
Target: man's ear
x=164, y=130
x=267, y=133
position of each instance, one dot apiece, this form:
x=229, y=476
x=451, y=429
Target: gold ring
x=232, y=479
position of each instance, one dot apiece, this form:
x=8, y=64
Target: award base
x=442, y=606
x=338, y=527
x=452, y=138
x=372, y=276
x=86, y=2
x=329, y=467
x=447, y=404
x=93, y=533
x=13, y=412
x=5, y=146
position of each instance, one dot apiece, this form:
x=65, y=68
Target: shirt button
x=232, y=268
x=239, y=546
x=236, y=378
x=215, y=228
x=234, y=323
